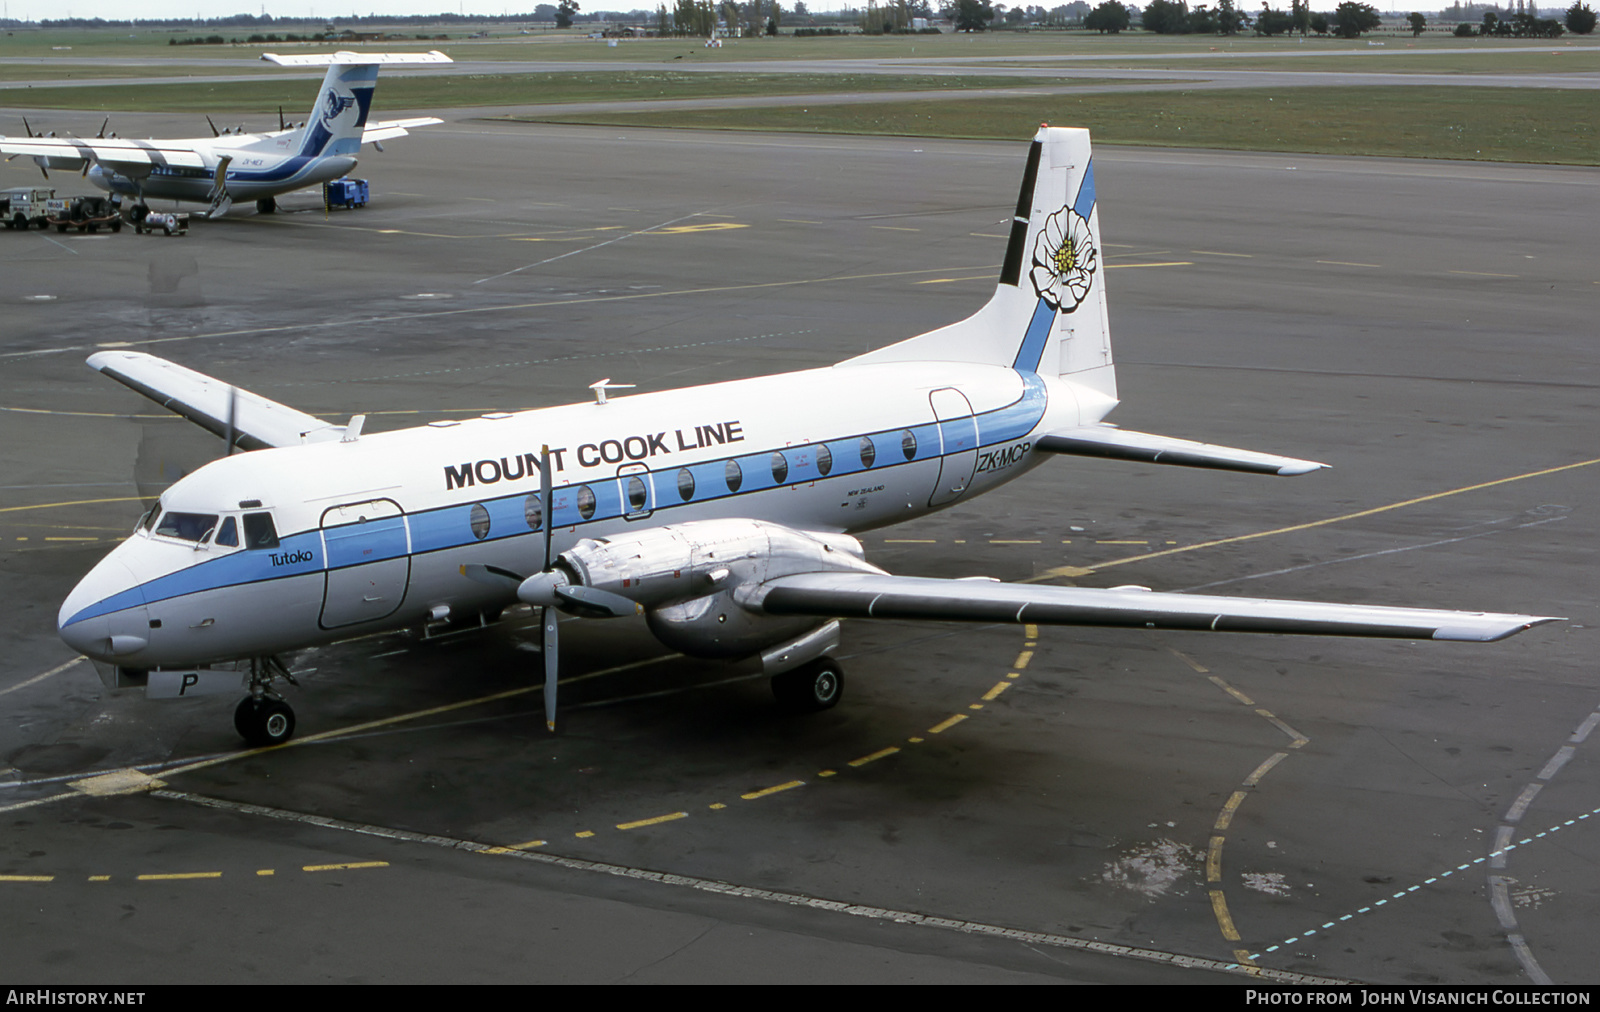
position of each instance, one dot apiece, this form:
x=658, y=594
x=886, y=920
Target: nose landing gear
x=263, y=718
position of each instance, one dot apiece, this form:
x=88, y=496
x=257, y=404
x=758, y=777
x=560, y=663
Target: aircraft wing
x=866, y=595
x=1102, y=440
x=258, y=423
x=391, y=128
x=130, y=157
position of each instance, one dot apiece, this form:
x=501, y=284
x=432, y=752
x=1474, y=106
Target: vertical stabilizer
x=338, y=117
x=1048, y=311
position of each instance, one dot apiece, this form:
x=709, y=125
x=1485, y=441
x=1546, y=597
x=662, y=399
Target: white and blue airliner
x=724, y=514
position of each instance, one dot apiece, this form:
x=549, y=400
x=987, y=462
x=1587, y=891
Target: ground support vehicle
x=22, y=206
x=166, y=224
x=88, y=214
x=345, y=192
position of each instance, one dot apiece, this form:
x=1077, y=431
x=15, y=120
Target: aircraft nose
x=104, y=617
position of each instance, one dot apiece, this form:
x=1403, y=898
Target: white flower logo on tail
x=1064, y=260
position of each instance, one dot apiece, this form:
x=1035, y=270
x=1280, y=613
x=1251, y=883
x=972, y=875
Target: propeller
x=233, y=416
x=280, y=119
x=214, y=131
x=102, y=133
x=548, y=622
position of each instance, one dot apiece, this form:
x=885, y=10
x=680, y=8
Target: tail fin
x=1048, y=312
x=337, y=119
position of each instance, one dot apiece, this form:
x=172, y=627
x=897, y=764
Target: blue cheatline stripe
x=1085, y=202
x=1033, y=341
x=445, y=527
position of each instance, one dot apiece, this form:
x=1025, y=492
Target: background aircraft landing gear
x=263, y=718
x=265, y=721
x=810, y=687
x=266, y=205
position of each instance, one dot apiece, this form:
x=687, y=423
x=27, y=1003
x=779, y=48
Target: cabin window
x=824, y=459
x=685, y=484
x=869, y=453
x=228, y=536
x=638, y=495
x=585, y=501
x=908, y=444
x=780, y=468
x=259, y=531
x=734, y=475
x=533, y=512
x=479, y=521
x=187, y=526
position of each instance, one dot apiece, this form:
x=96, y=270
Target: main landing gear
x=263, y=718
x=811, y=687
x=266, y=205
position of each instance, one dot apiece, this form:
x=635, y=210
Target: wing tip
x=1492, y=628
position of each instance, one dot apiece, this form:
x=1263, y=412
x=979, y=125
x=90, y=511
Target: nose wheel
x=263, y=722
x=810, y=687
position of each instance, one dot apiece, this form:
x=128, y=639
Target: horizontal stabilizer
x=257, y=423
x=865, y=595
x=1121, y=444
x=389, y=129
x=345, y=58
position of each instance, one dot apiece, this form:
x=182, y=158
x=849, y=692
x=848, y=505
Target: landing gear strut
x=814, y=686
x=263, y=718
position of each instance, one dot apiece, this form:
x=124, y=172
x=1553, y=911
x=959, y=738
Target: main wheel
x=264, y=722
x=810, y=687
x=266, y=205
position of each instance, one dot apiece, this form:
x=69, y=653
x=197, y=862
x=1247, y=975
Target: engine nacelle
x=686, y=577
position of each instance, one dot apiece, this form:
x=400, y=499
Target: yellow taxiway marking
x=585, y=834
x=946, y=281
x=1219, y=906
x=1071, y=571
x=1214, y=859
x=179, y=876
x=39, y=678
x=1347, y=263
x=800, y=221
x=827, y=773
x=63, y=538
x=672, y=817
x=1185, y=658
x=107, y=878
x=1168, y=263
x=947, y=724
x=1215, y=253
x=910, y=541
x=1022, y=660
x=27, y=878
x=974, y=706
x=994, y=693
x=710, y=226
x=1230, y=690
x=1013, y=541
x=1294, y=736
x=125, y=781
x=266, y=872
x=1124, y=542
x=1266, y=767
x=874, y=757
x=1484, y=274
x=895, y=228
x=716, y=806
x=75, y=502
x=345, y=866
x=772, y=790
x=1225, y=817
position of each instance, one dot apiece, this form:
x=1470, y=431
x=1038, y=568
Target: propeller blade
x=233, y=417
x=103, y=126
x=490, y=576
x=26, y=127
x=549, y=645
x=214, y=131
x=546, y=487
x=280, y=119
x=594, y=602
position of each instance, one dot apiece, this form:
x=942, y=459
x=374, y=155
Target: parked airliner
x=219, y=170
x=723, y=514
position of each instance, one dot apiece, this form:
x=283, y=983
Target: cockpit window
x=259, y=531
x=186, y=526
x=148, y=521
x=228, y=535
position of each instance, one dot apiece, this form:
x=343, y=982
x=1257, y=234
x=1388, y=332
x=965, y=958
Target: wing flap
x=1122, y=444
x=864, y=595
x=258, y=423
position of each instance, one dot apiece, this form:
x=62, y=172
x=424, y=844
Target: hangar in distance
x=724, y=514
x=219, y=170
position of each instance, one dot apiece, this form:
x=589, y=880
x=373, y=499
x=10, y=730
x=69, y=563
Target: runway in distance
x=723, y=514
x=219, y=170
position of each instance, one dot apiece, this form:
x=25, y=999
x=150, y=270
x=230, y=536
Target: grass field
x=247, y=97
x=1484, y=124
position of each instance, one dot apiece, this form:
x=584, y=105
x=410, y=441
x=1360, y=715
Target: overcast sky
x=34, y=10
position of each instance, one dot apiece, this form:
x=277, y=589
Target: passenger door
x=367, y=545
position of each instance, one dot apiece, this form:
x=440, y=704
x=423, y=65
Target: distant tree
x=1300, y=11
x=1318, y=23
x=1271, y=22
x=1417, y=22
x=1355, y=18
x=971, y=15
x=564, y=13
x=1203, y=21
x=1230, y=20
x=1580, y=18
x=1166, y=17
x=800, y=10
x=1465, y=31
x=1491, y=23
x=1108, y=18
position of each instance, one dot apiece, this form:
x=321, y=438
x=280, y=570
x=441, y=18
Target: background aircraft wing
x=119, y=153
x=1121, y=444
x=257, y=423
x=391, y=128
x=866, y=595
